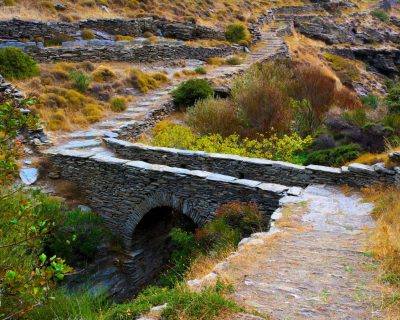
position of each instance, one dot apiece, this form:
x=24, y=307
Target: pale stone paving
x=317, y=269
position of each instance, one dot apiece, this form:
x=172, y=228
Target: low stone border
x=144, y=53
x=357, y=175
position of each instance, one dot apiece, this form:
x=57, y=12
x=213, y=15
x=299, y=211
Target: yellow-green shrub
x=118, y=104
x=87, y=34
x=145, y=82
x=345, y=68
x=214, y=116
x=103, y=74
x=167, y=134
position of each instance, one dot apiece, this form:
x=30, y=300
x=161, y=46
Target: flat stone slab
x=28, y=175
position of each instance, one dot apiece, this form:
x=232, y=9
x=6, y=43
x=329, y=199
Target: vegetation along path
x=311, y=265
x=151, y=107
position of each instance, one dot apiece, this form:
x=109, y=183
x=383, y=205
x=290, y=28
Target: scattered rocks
x=395, y=157
x=60, y=6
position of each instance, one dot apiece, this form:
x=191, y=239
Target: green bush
x=237, y=32
x=118, y=104
x=77, y=237
x=200, y=70
x=334, y=157
x=370, y=100
x=15, y=64
x=381, y=15
x=27, y=218
x=81, y=81
x=191, y=91
x=392, y=99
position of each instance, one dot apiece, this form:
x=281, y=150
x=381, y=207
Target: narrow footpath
x=312, y=264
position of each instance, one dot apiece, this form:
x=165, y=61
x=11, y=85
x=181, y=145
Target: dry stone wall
x=356, y=175
x=123, y=191
x=145, y=53
x=21, y=29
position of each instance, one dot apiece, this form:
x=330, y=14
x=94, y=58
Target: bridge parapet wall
x=357, y=175
x=123, y=191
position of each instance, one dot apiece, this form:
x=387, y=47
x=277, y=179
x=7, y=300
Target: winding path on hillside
x=143, y=109
x=312, y=264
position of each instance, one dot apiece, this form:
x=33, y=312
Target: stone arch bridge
x=143, y=192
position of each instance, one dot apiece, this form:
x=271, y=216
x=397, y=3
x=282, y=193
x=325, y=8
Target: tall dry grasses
x=384, y=244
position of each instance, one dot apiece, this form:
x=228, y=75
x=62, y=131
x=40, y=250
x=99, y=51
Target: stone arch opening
x=151, y=245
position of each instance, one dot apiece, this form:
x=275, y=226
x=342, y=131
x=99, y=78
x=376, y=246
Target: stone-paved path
x=314, y=266
x=270, y=46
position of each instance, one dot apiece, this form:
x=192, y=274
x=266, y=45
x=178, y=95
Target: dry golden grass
x=384, y=244
x=203, y=11
x=372, y=158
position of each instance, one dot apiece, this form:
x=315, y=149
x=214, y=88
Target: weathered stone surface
x=385, y=60
x=143, y=53
x=123, y=191
x=253, y=169
x=16, y=29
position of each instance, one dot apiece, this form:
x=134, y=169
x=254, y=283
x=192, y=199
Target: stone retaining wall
x=21, y=29
x=8, y=91
x=356, y=175
x=123, y=191
x=145, y=53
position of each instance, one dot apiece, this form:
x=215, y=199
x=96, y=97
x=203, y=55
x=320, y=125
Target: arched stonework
x=161, y=199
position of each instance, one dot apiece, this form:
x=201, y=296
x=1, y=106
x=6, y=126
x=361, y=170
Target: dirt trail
x=314, y=266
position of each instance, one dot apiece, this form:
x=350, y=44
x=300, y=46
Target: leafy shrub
x=392, y=99
x=262, y=101
x=214, y=116
x=87, y=34
x=15, y=64
x=27, y=219
x=166, y=134
x=103, y=74
x=334, y=157
x=237, y=32
x=191, y=91
x=77, y=237
x=81, y=81
x=370, y=100
x=381, y=15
